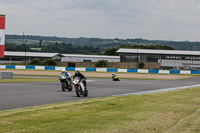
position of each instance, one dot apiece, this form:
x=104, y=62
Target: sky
x=172, y=20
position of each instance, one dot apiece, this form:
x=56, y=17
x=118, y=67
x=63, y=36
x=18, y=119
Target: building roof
x=30, y=54
x=50, y=55
x=90, y=56
x=157, y=52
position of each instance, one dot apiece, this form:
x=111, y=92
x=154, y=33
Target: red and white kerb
x=2, y=34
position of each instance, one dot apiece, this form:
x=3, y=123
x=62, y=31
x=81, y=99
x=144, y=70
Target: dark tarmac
x=19, y=95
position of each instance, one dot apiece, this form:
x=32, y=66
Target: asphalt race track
x=19, y=95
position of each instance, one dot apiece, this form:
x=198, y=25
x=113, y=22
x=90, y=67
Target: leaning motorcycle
x=115, y=78
x=79, y=87
x=65, y=83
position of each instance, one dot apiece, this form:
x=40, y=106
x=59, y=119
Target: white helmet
x=63, y=70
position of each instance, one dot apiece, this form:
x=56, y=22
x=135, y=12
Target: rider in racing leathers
x=81, y=76
x=67, y=74
x=114, y=77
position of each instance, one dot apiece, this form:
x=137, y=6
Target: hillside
x=99, y=42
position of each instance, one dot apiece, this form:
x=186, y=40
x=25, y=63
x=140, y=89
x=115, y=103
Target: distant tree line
x=70, y=49
x=99, y=42
x=53, y=48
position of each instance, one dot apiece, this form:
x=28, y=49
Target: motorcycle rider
x=114, y=77
x=67, y=74
x=81, y=76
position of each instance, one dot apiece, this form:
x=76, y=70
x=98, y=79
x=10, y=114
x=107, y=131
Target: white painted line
x=90, y=81
x=159, y=90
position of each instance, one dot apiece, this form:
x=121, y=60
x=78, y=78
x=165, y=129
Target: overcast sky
x=174, y=20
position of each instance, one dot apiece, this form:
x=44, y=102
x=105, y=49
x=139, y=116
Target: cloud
x=150, y=19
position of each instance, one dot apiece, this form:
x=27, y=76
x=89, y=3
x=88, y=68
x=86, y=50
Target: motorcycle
x=65, y=83
x=79, y=87
x=115, y=78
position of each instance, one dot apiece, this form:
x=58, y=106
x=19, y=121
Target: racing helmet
x=77, y=72
x=63, y=70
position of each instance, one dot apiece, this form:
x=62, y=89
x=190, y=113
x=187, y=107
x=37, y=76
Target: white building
x=88, y=58
x=19, y=57
x=168, y=59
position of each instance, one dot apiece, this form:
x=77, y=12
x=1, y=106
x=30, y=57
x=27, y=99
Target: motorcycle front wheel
x=77, y=91
x=63, y=86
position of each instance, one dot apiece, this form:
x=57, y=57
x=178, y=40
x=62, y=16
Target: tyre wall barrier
x=6, y=75
x=99, y=69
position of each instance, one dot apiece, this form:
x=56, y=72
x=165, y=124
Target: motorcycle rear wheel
x=69, y=86
x=85, y=94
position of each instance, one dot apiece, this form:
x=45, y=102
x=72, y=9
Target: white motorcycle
x=65, y=83
x=79, y=87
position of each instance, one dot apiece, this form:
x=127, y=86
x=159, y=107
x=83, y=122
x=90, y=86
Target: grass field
x=171, y=112
x=27, y=79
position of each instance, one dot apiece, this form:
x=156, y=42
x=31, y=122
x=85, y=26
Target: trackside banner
x=2, y=34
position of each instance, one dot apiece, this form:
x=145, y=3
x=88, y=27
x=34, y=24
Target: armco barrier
x=122, y=70
x=132, y=70
x=195, y=72
x=90, y=69
x=20, y=67
x=185, y=72
x=40, y=67
x=174, y=71
x=164, y=71
x=153, y=71
x=30, y=67
x=80, y=69
x=70, y=68
x=143, y=71
x=10, y=67
x=2, y=66
x=100, y=69
x=49, y=68
x=112, y=70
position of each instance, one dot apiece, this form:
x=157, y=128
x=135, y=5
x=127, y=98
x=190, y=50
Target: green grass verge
x=27, y=79
x=72, y=72
x=172, y=111
x=110, y=77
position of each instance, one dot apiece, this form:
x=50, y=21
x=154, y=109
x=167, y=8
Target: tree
x=111, y=51
x=101, y=63
x=50, y=62
x=35, y=61
x=10, y=47
x=141, y=65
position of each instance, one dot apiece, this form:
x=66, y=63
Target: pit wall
x=99, y=69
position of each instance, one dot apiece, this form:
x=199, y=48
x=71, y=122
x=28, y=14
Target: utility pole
x=24, y=49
